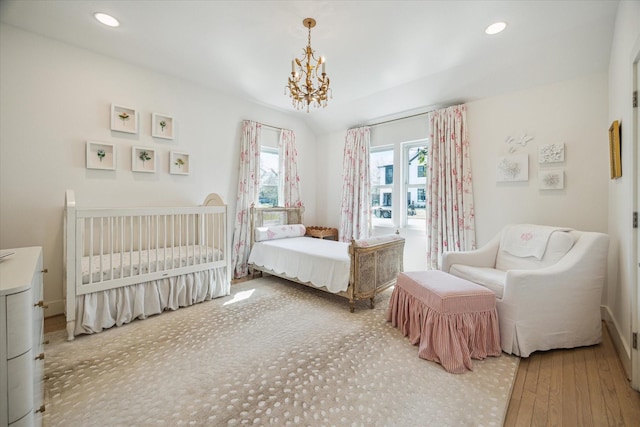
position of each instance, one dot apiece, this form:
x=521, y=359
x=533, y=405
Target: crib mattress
x=317, y=261
x=135, y=263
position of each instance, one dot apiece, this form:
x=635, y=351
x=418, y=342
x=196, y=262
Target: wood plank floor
x=578, y=387
x=583, y=386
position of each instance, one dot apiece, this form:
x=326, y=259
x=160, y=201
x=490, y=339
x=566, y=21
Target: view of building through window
x=269, y=171
x=411, y=171
x=381, y=174
x=416, y=185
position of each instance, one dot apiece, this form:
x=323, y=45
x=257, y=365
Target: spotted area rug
x=273, y=353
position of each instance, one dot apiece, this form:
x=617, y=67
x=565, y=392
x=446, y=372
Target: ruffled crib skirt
x=451, y=339
x=114, y=307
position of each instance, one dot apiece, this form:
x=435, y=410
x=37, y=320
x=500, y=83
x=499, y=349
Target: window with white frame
x=269, y=172
x=398, y=185
x=381, y=175
x=415, y=184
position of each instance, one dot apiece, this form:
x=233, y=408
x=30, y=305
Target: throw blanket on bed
x=527, y=240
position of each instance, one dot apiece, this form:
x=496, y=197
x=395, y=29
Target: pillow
x=279, y=232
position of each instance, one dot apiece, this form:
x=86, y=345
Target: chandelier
x=308, y=85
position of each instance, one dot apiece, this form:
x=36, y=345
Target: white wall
x=54, y=97
x=573, y=113
x=622, y=200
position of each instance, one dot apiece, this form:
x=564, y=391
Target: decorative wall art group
x=103, y=155
x=553, y=178
x=514, y=167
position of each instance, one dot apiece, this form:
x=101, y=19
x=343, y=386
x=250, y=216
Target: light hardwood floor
x=579, y=387
x=584, y=386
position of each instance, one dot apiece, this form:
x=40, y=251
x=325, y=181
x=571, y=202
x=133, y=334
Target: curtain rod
x=392, y=120
x=403, y=118
x=264, y=125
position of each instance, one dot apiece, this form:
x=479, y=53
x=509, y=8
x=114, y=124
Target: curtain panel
x=450, y=211
x=355, y=208
x=289, y=185
x=248, y=188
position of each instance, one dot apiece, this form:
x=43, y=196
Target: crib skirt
x=115, y=307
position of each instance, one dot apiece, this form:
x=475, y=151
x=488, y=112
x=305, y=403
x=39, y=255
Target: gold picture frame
x=614, y=150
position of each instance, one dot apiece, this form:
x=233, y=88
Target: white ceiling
x=385, y=58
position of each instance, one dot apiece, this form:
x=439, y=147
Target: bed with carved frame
x=373, y=264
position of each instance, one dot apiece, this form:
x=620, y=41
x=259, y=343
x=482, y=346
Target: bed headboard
x=263, y=217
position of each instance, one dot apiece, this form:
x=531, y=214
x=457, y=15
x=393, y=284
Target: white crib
x=122, y=264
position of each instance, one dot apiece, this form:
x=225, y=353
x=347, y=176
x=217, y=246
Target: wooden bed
x=122, y=264
x=373, y=264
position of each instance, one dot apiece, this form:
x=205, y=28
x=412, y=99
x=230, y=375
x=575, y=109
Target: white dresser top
x=16, y=271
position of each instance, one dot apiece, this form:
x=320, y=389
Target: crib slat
x=139, y=245
x=186, y=233
x=110, y=229
x=130, y=246
x=90, y=250
x=101, y=238
x=121, y=246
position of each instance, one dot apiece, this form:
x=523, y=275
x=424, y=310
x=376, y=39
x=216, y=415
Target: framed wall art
x=179, y=163
x=101, y=155
x=143, y=159
x=615, y=157
x=162, y=126
x=513, y=168
x=124, y=119
x=551, y=179
x=551, y=153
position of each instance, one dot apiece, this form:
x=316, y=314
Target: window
x=269, y=172
x=416, y=184
x=381, y=175
x=398, y=169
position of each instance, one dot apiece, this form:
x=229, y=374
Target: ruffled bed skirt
x=101, y=310
x=451, y=339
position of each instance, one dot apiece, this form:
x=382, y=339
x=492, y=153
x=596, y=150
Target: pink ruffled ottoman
x=451, y=319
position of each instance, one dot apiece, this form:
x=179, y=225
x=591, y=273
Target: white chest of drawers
x=21, y=338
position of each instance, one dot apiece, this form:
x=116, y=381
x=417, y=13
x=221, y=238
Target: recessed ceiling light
x=495, y=28
x=106, y=19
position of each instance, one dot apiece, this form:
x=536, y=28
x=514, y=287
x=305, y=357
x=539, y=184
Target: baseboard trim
x=620, y=343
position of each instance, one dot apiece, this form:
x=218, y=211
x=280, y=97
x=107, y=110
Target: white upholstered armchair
x=548, y=283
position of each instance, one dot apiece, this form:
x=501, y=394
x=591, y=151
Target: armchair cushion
x=488, y=277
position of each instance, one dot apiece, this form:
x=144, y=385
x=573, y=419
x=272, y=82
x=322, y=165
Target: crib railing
x=124, y=246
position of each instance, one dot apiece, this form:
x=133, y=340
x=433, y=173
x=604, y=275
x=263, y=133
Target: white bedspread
x=317, y=261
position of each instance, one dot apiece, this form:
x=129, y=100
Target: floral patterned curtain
x=355, y=209
x=450, y=212
x=289, y=188
x=248, y=188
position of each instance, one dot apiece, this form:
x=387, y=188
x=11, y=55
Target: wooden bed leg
x=70, y=328
x=352, y=305
x=373, y=303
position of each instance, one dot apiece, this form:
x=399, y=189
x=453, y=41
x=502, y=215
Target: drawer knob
x=41, y=304
x=45, y=342
x=40, y=356
x=40, y=409
x=45, y=270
